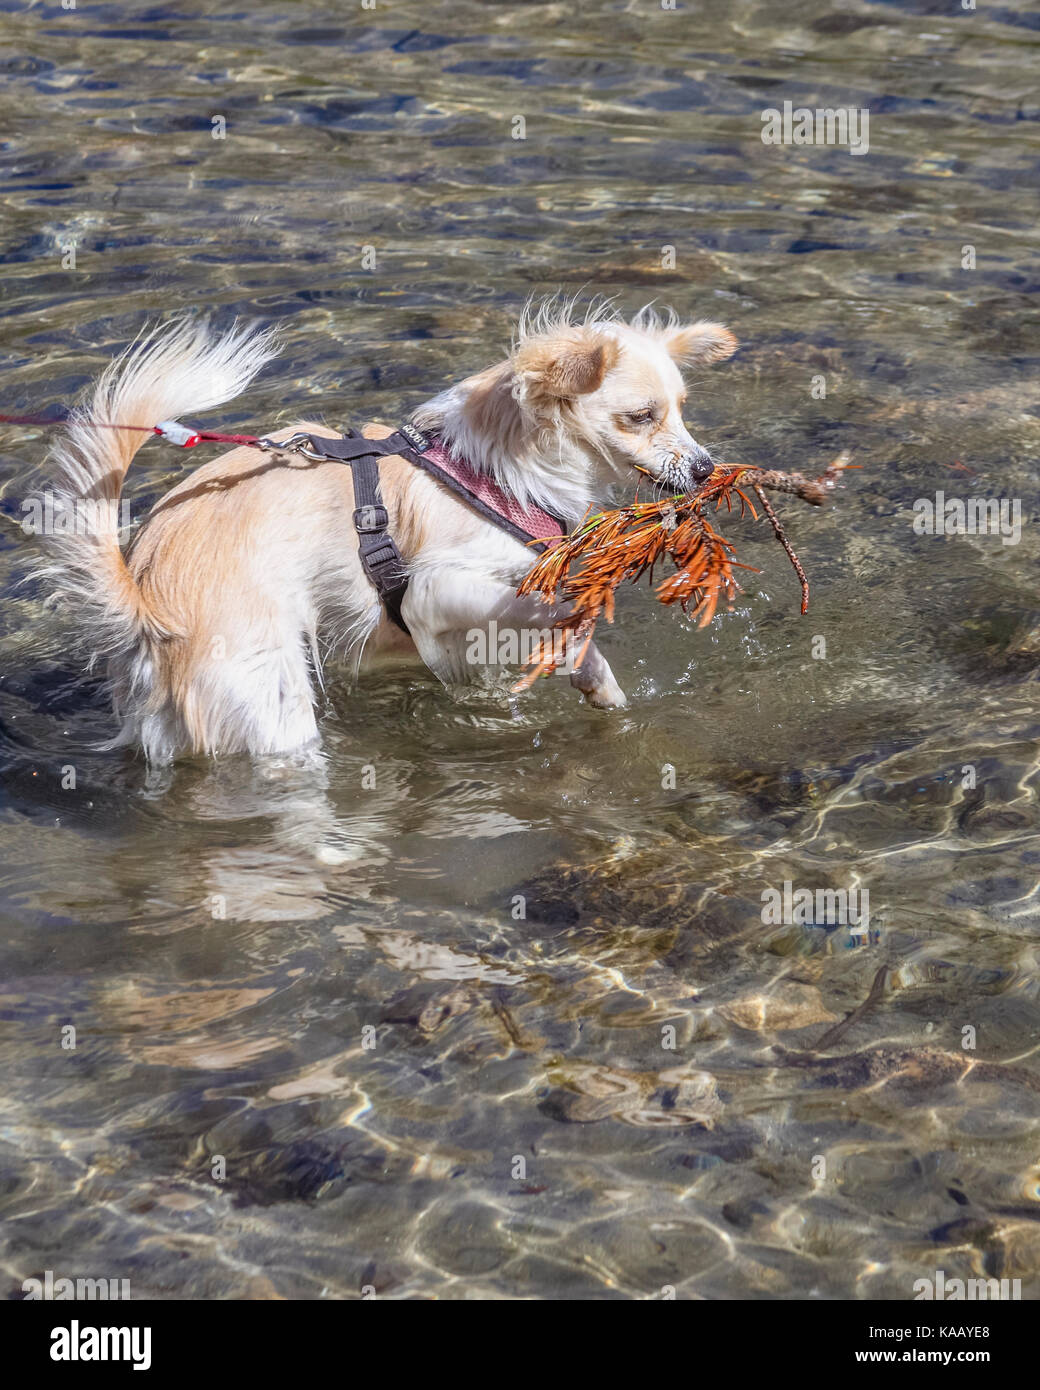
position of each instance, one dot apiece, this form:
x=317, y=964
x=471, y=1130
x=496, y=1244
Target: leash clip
x=295, y=444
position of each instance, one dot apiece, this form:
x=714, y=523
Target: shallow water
x=413, y=1088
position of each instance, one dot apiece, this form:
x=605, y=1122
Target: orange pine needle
x=584, y=569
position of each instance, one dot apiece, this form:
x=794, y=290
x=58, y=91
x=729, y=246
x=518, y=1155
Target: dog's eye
x=641, y=417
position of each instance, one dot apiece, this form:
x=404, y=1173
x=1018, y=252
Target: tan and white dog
x=245, y=579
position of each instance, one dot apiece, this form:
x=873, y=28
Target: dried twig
x=835, y=1034
x=782, y=538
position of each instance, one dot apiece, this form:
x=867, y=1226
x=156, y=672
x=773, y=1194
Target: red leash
x=166, y=429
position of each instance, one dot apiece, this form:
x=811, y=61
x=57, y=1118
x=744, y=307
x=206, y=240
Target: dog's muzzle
x=698, y=462
x=687, y=468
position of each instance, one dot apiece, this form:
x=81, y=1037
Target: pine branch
x=585, y=569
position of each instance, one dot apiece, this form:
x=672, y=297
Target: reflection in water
x=479, y=1001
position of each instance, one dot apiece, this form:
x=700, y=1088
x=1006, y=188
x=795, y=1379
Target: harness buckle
x=371, y=518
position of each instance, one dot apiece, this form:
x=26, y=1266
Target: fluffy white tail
x=170, y=370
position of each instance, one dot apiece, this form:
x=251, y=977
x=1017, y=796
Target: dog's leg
x=595, y=680
x=247, y=692
x=462, y=622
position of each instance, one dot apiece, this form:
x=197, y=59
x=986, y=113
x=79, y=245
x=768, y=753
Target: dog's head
x=617, y=389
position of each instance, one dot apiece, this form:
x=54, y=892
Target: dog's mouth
x=686, y=472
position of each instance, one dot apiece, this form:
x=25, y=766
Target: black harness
x=379, y=555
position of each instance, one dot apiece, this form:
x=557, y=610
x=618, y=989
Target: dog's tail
x=168, y=371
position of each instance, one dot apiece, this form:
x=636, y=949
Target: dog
x=245, y=581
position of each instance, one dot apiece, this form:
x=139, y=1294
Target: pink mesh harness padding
x=538, y=524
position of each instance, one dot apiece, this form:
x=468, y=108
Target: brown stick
x=815, y=491
x=782, y=538
x=835, y=1034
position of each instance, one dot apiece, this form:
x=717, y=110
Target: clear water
x=521, y=1127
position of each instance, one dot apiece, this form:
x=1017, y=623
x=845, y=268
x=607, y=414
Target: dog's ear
x=699, y=342
x=563, y=367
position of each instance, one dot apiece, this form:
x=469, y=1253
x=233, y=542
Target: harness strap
x=380, y=558
x=461, y=490
x=379, y=555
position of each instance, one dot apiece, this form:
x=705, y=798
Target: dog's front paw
x=607, y=695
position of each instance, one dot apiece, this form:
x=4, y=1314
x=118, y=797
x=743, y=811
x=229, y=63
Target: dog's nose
x=699, y=462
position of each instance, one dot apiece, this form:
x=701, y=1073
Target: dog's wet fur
x=244, y=582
